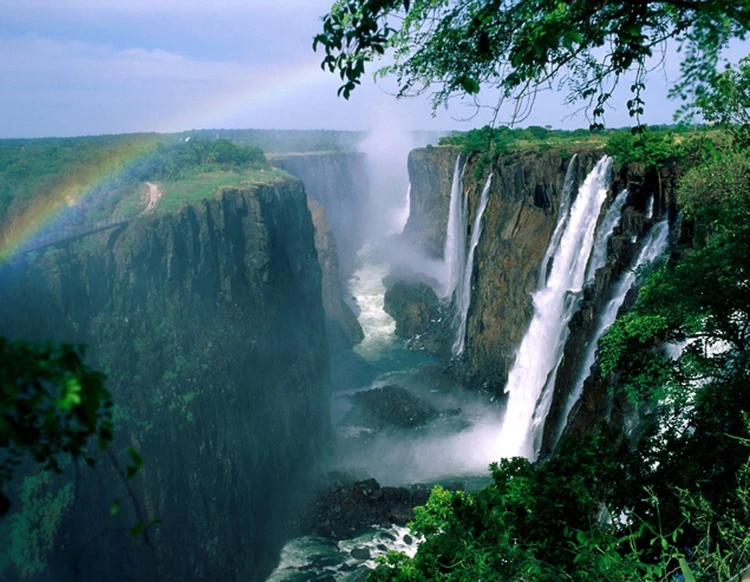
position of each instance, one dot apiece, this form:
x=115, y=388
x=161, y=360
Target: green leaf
x=137, y=529
x=687, y=573
x=114, y=507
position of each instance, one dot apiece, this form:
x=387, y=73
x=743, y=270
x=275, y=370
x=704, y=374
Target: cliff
x=339, y=182
x=342, y=326
x=519, y=219
x=597, y=403
x=430, y=175
x=210, y=326
x=521, y=213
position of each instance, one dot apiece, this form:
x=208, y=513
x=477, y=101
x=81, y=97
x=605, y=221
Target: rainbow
x=75, y=188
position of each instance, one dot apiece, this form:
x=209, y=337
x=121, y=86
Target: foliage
x=726, y=101
x=199, y=185
x=523, y=46
x=28, y=534
x=90, y=178
x=543, y=522
x=650, y=148
x=52, y=405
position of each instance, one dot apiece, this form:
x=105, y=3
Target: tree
x=521, y=46
x=51, y=405
x=726, y=101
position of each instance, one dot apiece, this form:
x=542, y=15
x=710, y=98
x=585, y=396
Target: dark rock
x=361, y=553
x=342, y=326
x=517, y=224
x=389, y=407
x=344, y=510
x=382, y=547
x=191, y=313
x=408, y=540
x=419, y=315
x=430, y=175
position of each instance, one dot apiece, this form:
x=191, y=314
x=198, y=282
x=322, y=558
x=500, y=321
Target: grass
x=177, y=193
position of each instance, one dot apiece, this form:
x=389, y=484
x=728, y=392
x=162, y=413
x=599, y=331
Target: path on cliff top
x=153, y=195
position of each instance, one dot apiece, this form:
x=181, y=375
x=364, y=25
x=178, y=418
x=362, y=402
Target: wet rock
x=408, y=540
x=360, y=554
x=342, y=327
x=419, y=315
x=346, y=509
x=391, y=407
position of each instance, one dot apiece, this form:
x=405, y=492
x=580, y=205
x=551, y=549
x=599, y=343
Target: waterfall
x=605, y=230
x=531, y=379
x=455, y=238
x=650, y=207
x=563, y=213
x=463, y=295
x=406, y=211
x=653, y=246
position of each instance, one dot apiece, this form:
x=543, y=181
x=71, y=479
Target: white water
x=463, y=294
x=541, y=349
x=455, y=245
x=366, y=285
x=650, y=208
x=603, y=232
x=309, y=559
x=653, y=246
x=562, y=221
x=403, y=214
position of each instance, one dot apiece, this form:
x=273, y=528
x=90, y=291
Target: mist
x=387, y=148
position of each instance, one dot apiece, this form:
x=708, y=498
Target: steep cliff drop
x=454, y=252
x=531, y=379
x=463, y=295
x=209, y=322
x=653, y=246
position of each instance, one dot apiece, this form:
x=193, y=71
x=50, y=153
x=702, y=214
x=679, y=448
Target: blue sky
x=79, y=67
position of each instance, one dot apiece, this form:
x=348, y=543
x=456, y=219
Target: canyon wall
x=597, y=403
x=209, y=323
x=339, y=182
x=519, y=219
x=521, y=213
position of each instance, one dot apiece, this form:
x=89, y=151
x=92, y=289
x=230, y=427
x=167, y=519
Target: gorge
x=238, y=331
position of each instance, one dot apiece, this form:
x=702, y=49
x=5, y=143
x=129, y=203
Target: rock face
x=419, y=316
x=519, y=219
x=210, y=326
x=342, y=326
x=431, y=176
x=347, y=508
x=597, y=403
x=389, y=407
x=339, y=182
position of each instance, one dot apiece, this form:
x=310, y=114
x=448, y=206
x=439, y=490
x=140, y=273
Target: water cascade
x=463, y=294
x=403, y=217
x=455, y=248
x=532, y=377
x=603, y=232
x=653, y=246
x=563, y=213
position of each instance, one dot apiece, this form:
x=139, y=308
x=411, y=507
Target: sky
x=87, y=67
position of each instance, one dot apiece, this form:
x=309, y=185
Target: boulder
x=389, y=407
